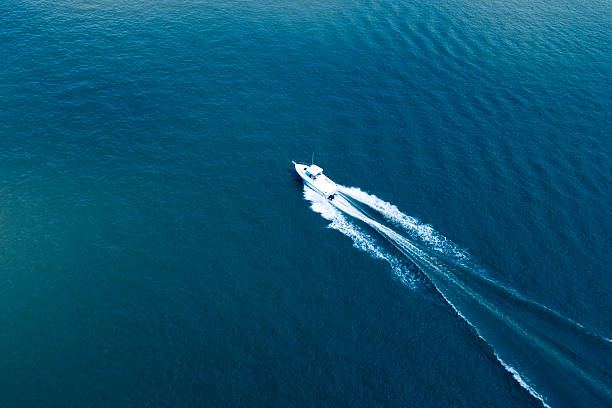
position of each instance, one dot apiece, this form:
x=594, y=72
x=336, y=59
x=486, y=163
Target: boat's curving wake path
x=557, y=360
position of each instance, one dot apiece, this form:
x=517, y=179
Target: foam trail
x=557, y=360
x=436, y=242
x=541, y=343
x=416, y=228
x=361, y=240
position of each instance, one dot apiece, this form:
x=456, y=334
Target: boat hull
x=319, y=183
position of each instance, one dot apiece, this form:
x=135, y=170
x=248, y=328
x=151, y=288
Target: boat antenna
x=312, y=159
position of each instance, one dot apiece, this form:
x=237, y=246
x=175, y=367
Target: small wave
x=517, y=377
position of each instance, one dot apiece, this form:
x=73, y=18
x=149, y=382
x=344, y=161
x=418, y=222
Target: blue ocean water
x=156, y=248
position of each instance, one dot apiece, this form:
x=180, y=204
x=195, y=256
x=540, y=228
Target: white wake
x=477, y=298
x=361, y=240
x=415, y=228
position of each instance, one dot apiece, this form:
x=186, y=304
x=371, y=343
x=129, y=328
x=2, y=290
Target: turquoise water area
x=157, y=249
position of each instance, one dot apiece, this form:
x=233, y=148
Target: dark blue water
x=156, y=248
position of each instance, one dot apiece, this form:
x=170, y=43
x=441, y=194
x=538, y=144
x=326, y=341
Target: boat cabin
x=313, y=171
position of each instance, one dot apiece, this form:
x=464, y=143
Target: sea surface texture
x=157, y=248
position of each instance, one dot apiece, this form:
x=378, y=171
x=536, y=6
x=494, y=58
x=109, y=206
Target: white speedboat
x=314, y=178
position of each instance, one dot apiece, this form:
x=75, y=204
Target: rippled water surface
x=156, y=248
